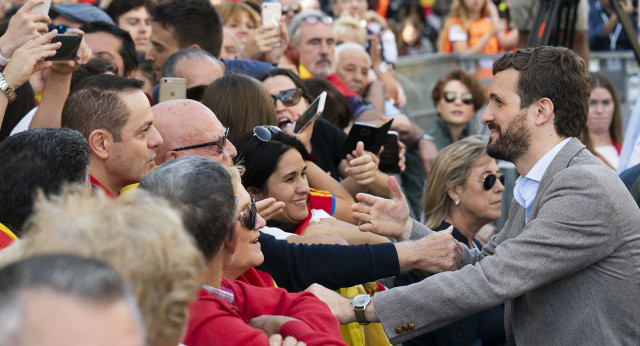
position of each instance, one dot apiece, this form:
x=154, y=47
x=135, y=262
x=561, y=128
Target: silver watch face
x=361, y=300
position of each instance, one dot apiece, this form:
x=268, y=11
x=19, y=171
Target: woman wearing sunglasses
x=457, y=97
x=464, y=190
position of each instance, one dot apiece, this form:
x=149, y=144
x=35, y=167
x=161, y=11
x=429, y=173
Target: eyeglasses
x=466, y=98
x=264, y=132
x=289, y=97
x=490, y=179
x=220, y=142
x=196, y=93
x=248, y=216
x=314, y=19
x=295, y=8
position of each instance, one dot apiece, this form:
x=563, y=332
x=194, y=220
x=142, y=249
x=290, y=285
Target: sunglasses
x=314, y=19
x=264, y=132
x=289, y=97
x=451, y=96
x=196, y=93
x=248, y=216
x=295, y=8
x=220, y=142
x=489, y=180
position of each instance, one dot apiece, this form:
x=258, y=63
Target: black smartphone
x=389, y=158
x=69, y=48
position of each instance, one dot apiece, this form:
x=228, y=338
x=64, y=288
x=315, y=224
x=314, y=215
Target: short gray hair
x=169, y=67
x=349, y=46
x=294, y=28
x=86, y=279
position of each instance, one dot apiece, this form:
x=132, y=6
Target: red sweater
x=213, y=321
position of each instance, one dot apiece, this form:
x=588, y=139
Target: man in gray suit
x=566, y=263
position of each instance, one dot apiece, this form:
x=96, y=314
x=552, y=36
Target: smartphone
x=172, y=88
x=69, y=48
x=271, y=14
x=42, y=8
x=310, y=114
x=389, y=158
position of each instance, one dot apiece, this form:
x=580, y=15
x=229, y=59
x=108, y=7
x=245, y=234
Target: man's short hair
x=202, y=191
x=81, y=278
x=119, y=7
x=127, y=48
x=38, y=159
x=347, y=47
x=95, y=103
x=169, y=67
x=294, y=28
x=556, y=73
x=192, y=22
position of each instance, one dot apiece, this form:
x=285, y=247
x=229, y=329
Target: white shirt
x=526, y=188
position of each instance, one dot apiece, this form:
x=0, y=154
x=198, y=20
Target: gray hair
x=294, y=32
x=349, y=46
x=201, y=189
x=86, y=279
x=169, y=67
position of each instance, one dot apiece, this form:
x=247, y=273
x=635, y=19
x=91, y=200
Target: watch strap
x=360, y=317
x=7, y=89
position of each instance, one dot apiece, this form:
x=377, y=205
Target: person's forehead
x=139, y=109
x=163, y=35
x=318, y=30
x=505, y=83
x=278, y=83
x=243, y=197
x=98, y=40
x=352, y=56
x=138, y=12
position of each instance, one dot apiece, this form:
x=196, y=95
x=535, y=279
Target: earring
x=457, y=202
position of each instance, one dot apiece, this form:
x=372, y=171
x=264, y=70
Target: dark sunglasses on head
x=220, y=142
x=314, y=19
x=295, y=8
x=61, y=28
x=264, y=132
x=466, y=98
x=196, y=93
x=289, y=97
x=489, y=180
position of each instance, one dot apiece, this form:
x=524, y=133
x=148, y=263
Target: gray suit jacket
x=571, y=276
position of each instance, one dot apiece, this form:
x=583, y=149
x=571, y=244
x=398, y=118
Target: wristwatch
x=427, y=137
x=360, y=303
x=6, y=88
x=384, y=68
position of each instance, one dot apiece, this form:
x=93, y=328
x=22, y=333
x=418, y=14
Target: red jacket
x=213, y=321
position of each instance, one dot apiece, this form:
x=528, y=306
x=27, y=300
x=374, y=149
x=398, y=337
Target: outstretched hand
x=361, y=166
x=386, y=217
x=82, y=56
x=29, y=59
x=269, y=207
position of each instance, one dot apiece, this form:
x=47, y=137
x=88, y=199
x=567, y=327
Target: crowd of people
x=131, y=219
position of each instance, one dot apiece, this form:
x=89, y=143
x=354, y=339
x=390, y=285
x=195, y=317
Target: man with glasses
x=203, y=190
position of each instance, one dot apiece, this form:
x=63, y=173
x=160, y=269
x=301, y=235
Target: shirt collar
x=222, y=293
x=527, y=187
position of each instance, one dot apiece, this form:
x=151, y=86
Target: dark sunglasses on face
x=313, y=20
x=264, y=132
x=220, y=142
x=451, y=96
x=489, y=180
x=295, y=8
x=196, y=93
x=248, y=216
x=289, y=97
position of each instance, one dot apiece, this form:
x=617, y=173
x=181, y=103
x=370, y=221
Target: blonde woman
x=464, y=190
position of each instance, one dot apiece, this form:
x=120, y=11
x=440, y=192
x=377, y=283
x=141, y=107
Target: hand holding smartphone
x=271, y=14
x=69, y=48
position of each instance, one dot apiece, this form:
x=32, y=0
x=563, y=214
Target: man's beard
x=513, y=143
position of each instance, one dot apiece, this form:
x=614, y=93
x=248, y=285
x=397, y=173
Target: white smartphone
x=271, y=14
x=42, y=8
x=172, y=89
x=313, y=112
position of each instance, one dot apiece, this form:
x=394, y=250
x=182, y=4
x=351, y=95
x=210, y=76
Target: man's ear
x=544, y=112
x=100, y=142
x=195, y=45
x=169, y=155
